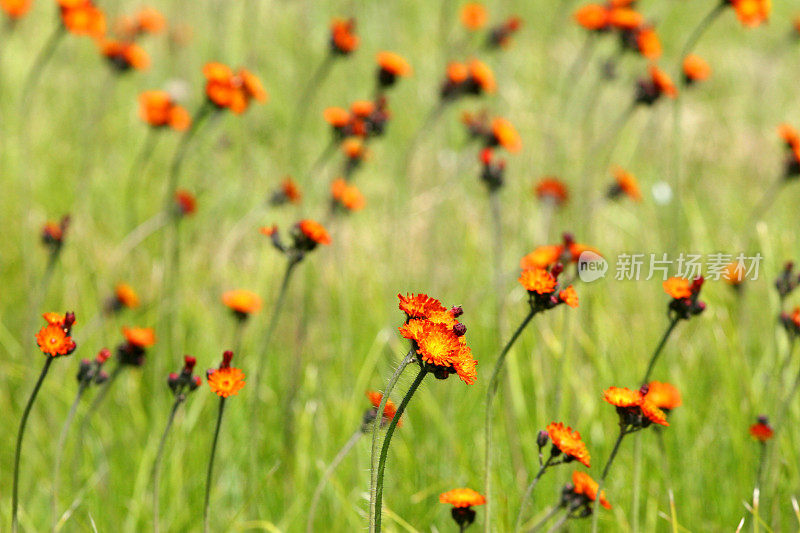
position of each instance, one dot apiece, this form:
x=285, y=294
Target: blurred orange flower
x=81, y=17
x=505, y=135
x=461, y=498
x=482, y=76
x=186, y=202
x=695, y=68
x=389, y=409
x=139, y=337
x=314, y=231
x=663, y=395
x=242, y=302
x=233, y=91
x=569, y=296
x=125, y=55
x=343, y=39
x=761, y=430
x=159, y=110
x=474, y=16
x=550, y=189
x=126, y=296
x=584, y=485
x=751, y=13
x=347, y=195
x=678, y=287
x=16, y=8
x=626, y=183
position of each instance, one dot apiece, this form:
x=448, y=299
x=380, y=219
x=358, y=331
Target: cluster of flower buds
x=493, y=170
x=227, y=357
x=364, y=120
x=53, y=234
x=685, y=303
x=92, y=371
x=183, y=382
x=306, y=235
x=787, y=281
x=500, y=35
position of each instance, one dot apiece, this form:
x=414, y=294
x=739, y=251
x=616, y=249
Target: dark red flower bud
x=456, y=311
x=189, y=363
x=103, y=356
x=460, y=330
x=226, y=359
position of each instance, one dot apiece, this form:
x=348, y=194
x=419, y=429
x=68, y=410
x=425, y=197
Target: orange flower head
x=125, y=56
x=695, y=69
x=662, y=82
x=291, y=191
x=474, y=16
x=751, y=13
x=550, y=189
x=789, y=135
x=139, y=337
x=252, y=85
x=761, y=430
x=734, y=274
x=16, y=9
x=538, y=280
x=569, y=296
x=483, y=78
x=462, y=498
x=593, y=17
x=54, y=340
x=626, y=183
x=457, y=73
x=652, y=412
x=542, y=257
x=226, y=382
x=242, y=302
x=352, y=199
x=648, y=43
x=389, y=409
x=622, y=397
x=150, y=20
x=354, y=149
x=338, y=187
x=436, y=343
x=185, y=202
x=336, y=117
x=569, y=443
x=586, y=486
x=505, y=135
x=314, y=231
x=625, y=18
x=635, y=403
x=232, y=91
x=678, y=288
x=362, y=108
x=391, y=66
x=126, y=296
x=664, y=395
x=420, y=305
x=344, y=41
x=83, y=18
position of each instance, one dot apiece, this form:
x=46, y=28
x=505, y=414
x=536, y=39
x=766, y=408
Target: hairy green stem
x=20, y=434
x=375, y=522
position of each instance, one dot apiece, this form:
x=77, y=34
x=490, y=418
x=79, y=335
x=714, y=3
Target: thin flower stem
x=490, y=394
x=602, y=481
x=159, y=454
x=659, y=348
x=376, y=425
x=497, y=226
x=137, y=167
x=701, y=28
x=376, y=522
x=558, y=525
x=766, y=201
x=528, y=492
x=211, y=466
x=550, y=514
x=575, y=72
x=307, y=96
x=45, y=54
x=319, y=164
x=427, y=124
x=102, y=394
x=20, y=435
x=62, y=439
x=138, y=235
x=202, y=113
x=312, y=508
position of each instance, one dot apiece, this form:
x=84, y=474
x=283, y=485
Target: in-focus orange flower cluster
x=55, y=339
x=438, y=337
x=225, y=381
x=638, y=409
x=569, y=443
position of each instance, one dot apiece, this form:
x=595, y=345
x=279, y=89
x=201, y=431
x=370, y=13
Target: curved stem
x=558, y=525
x=554, y=511
x=137, y=167
x=700, y=29
x=20, y=434
x=376, y=424
x=180, y=152
x=376, y=522
x=159, y=454
x=658, y=349
x=211, y=465
x=40, y=63
x=101, y=395
x=602, y=481
x=523, y=504
x=312, y=508
x=490, y=394
x=62, y=438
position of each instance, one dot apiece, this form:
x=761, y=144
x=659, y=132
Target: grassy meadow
x=67, y=147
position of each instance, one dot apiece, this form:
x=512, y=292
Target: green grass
x=431, y=233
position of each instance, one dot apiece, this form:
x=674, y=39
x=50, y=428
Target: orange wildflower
x=462, y=498
x=343, y=39
x=695, y=69
x=569, y=442
x=622, y=397
x=505, y=135
x=226, y=382
x=81, y=17
x=474, y=16
x=420, y=305
x=586, y=486
x=663, y=82
x=336, y=117
x=54, y=340
x=761, y=430
x=626, y=183
x=663, y=395
x=630, y=403
x=139, y=337
x=150, y=20
x=438, y=345
x=351, y=198
x=648, y=43
x=789, y=135
x=185, y=202
x=751, y=13
x=625, y=18
x=354, y=149
x=678, y=287
x=126, y=296
x=542, y=257
x=242, y=302
x=389, y=409
x=538, y=280
x=483, y=79
x=593, y=17
x=16, y=9
x=314, y=231
x=125, y=55
x=233, y=91
x=569, y=296
x=734, y=273
x=289, y=191
x=159, y=110
x=457, y=72
x=553, y=190
x=391, y=66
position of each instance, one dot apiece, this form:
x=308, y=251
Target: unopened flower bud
x=542, y=439
x=459, y=330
